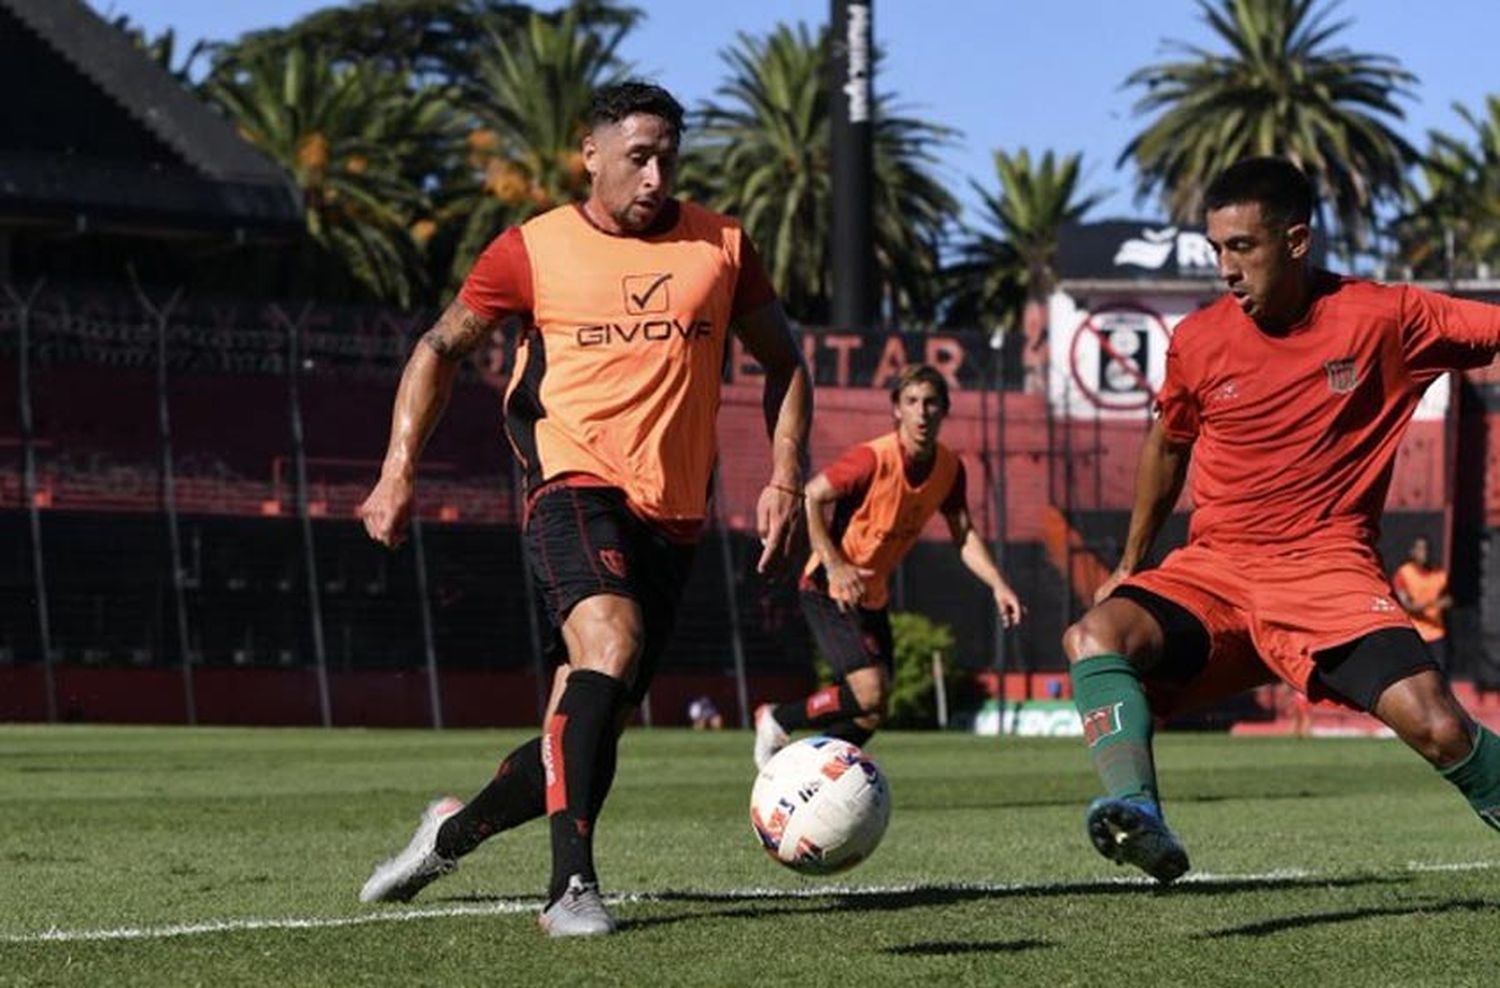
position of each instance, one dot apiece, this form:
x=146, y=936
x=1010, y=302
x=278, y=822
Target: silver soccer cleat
x=769, y=735
x=399, y=878
x=579, y=913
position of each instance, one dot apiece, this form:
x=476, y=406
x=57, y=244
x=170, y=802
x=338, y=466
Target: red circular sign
x=1120, y=357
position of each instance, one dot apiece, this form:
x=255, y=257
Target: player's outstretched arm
x=788, y=405
x=1158, y=481
x=426, y=383
x=976, y=557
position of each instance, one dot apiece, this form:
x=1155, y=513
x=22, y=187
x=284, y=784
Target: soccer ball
x=820, y=806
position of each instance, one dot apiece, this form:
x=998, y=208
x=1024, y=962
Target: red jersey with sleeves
x=617, y=372
x=882, y=509
x=1294, y=435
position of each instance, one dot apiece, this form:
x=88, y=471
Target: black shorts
x=1355, y=673
x=585, y=541
x=852, y=639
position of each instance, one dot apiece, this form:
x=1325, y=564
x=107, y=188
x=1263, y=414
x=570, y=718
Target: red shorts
x=1266, y=616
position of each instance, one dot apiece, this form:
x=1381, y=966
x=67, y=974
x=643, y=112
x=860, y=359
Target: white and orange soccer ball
x=820, y=806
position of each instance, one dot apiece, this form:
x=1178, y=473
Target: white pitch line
x=503, y=907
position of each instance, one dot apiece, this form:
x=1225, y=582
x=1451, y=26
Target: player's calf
x=1477, y=776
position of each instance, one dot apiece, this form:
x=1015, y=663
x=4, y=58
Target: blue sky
x=1006, y=73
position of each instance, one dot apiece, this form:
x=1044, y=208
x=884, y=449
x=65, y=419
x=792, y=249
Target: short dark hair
x=614, y=103
x=920, y=374
x=1283, y=191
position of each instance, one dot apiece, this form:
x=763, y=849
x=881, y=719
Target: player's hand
x=1010, y=607
x=1108, y=586
x=387, y=510
x=846, y=584
x=778, y=519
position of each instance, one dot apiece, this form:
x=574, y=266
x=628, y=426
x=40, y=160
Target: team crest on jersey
x=1343, y=375
x=646, y=293
x=614, y=561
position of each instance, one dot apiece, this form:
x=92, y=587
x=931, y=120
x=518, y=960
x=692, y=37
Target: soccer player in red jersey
x=1290, y=395
x=626, y=301
x=879, y=496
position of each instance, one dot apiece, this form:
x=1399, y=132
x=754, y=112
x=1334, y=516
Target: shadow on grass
x=1270, y=927
x=999, y=802
x=948, y=948
x=763, y=903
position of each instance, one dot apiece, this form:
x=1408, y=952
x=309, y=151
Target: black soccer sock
x=604, y=769
x=573, y=753
x=828, y=705
x=516, y=794
x=848, y=730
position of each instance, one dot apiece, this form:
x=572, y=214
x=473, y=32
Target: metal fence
x=186, y=472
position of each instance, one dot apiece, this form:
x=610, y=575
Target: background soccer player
x=627, y=299
x=879, y=494
x=1422, y=589
x=1291, y=394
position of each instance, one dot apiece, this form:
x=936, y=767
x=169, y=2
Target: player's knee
x=872, y=693
x=1090, y=635
x=611, y=649
x=1441, y=737
x=871, y=720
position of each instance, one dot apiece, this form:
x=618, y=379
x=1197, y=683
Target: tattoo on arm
x=459, y=332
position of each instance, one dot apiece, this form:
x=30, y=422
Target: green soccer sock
x=1477, y=776
x=1116, y=724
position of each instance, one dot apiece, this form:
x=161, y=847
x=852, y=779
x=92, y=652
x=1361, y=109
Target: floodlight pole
x=25, y=307
x=852, y=98
x=429, y=645
x=162, y=316
x=731, y=592
x=309, y=557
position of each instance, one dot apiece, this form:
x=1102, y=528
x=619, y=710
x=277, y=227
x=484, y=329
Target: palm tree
x=528, y=105
x=1281, y=89
x=344, y=134
x=1008, y=262
x=162, y=49
x=436, y=41
x=1452, y=226
x=762, y=153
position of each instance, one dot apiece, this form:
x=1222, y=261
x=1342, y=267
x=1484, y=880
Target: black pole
x=852, y=99
x=162, y=316
x=533, y=604
x=731, y=591
x=429, y=645
x=29, y=490
x=309, y=556
x=1002, y=490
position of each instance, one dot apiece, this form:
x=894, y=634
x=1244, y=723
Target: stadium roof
x=103, y=136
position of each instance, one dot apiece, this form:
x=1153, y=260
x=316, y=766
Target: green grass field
x=235, y=856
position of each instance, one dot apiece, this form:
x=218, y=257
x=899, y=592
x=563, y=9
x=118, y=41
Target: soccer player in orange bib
x=1290, y=393
x=626, y=302
x=879, y=494
x=1422, y=589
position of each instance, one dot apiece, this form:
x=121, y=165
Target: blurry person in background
x=1422, y=588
